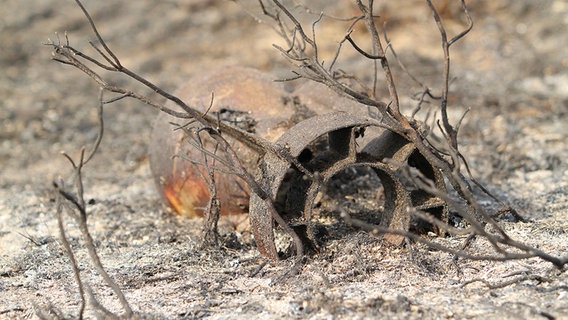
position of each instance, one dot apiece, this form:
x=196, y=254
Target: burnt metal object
x=246, y=99
x=325, y=133
x=340, y=130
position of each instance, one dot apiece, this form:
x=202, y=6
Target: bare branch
x=69, y=251
x=361, y=51
x=339, y=46
x=450, y=130
x=509, y=282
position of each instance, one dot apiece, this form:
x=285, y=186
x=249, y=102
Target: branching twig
x=75, y=206
x=508, y=282
x=70, y=254
x=450, y=130
x=77, y=209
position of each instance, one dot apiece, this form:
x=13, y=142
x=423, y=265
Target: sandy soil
x=511, y=72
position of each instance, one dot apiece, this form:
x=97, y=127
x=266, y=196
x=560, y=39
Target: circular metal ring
x=341, y=129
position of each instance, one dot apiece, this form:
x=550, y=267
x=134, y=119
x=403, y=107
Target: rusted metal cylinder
x=247, y=98
x=325, y=132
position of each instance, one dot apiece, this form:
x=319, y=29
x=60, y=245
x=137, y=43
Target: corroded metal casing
x=245, y=96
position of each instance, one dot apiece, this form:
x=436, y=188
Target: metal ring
x=341, y=129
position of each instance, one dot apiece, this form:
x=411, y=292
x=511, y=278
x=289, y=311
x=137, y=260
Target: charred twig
x=75, y=206
x=213, y=205
x=504, y=284
x=367, y=11
x=495, y=240
x=71, y=255
x=376, y=230
x=361, y=51
x=340, y=45
x=77, y=209
x=446, y=44
x=257, y=269
x=14, y=309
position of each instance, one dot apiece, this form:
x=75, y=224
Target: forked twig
x=75, y=206
x=450, y=130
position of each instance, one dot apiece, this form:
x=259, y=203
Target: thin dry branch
x=257, y=189
x=78, y=211
x=367, y=11
x=499, y=241
x=376, y=230
x=507, y=283
x=70, y=254
x=451, y=131
x=75, y=206
x=210, y=232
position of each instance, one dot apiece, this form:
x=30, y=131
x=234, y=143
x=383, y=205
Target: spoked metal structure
x=296, y=190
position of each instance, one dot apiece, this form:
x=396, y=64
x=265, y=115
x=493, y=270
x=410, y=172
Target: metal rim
x=342, y=130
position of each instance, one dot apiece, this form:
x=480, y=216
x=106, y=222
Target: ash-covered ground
x=510, y=70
